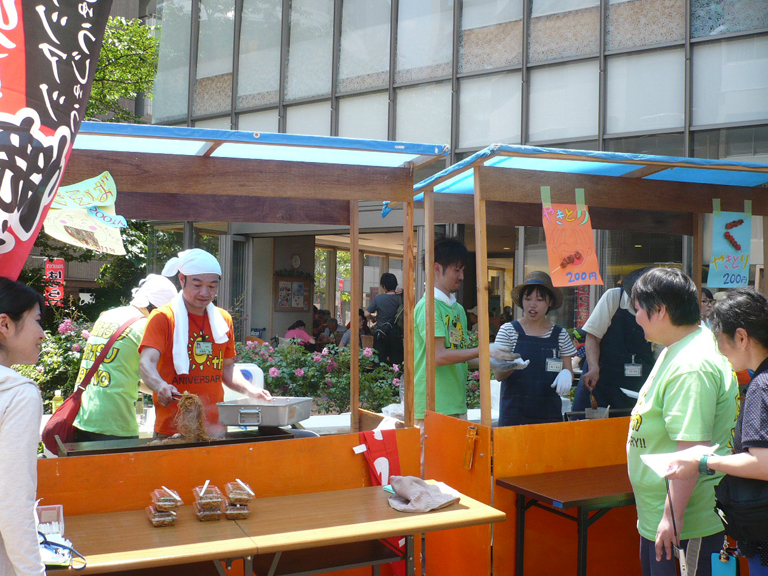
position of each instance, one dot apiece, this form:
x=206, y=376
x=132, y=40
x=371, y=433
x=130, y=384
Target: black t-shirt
x=385, y=306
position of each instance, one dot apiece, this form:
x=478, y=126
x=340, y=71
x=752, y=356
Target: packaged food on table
x=238, y=493
x=207, y=514
x=160, y=518
x=236, y=511
x=211, y=498
x=165, y=499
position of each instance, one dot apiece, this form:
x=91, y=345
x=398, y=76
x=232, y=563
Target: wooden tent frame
x=206, y=187
x=513, y=197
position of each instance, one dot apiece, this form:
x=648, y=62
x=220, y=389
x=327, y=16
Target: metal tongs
x=176, y=397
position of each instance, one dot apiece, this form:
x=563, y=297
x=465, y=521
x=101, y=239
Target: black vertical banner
x=49, y=50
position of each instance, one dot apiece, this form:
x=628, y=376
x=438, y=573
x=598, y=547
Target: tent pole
x=408, y=306
x=354, y=342
x=698, y=249
x=429, y=259
x=484, y=334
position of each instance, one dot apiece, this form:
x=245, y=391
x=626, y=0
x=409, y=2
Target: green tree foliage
x=127, y=64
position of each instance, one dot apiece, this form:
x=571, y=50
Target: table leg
x=520, y=536
x=582, y=527
x=410, y=553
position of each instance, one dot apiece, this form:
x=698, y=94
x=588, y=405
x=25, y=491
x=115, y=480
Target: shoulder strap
x=100, y=358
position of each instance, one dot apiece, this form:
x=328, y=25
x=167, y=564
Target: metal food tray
x=280, y=411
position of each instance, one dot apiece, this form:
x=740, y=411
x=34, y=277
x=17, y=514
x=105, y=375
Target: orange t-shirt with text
x=205, y=370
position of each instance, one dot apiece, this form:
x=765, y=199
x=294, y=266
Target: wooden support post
x=429, y=294
x=409, y=296
x=763, y=287
x=698, y=249
x=483, y=331
x=355, y=288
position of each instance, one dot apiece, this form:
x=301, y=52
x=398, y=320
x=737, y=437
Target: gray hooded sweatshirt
x=21, y=410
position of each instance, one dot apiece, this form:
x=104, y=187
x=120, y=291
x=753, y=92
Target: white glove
x=563, y=382
x=516, y=364
x=499, y=353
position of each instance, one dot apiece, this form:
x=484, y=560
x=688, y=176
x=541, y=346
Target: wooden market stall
x=501, y=185
x=165, y=173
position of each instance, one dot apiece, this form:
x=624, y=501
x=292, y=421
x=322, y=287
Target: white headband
x=194, y=261
x=154, y=289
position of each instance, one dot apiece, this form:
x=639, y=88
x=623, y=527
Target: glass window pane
x=709, y=17
x=311, y=49
x=364, y=55
x=259, y=66
x=580, y=145
x=371, y=277
x=659, y=144
x=262, y=121
x=730, y=81
x=396, y=268
x=224, y=123
x=645, y=91
x=631, y=23
x=313, y=119
x=564, y=101
x=422, y=113
x=424, y=39
x=364, y=116
x=321, y=277
x=489, y=110
x=563, y=28
x=491, y=34
x=744, y=144
x=213, y=89
x=174, y=18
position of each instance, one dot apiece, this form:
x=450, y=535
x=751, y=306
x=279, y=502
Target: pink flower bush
x=328, y=382
x=317, y=357
x=395, y=368
x=75, y=347
x=270, y=359
x=299, y=372
x=476, y=375
x=66, y=327
x=250, y=345
x=41, y=369
x=368, y=352
x=329, y=368
x=85, y=334
x=325, y=352
x=396, y=381
x=274, y=372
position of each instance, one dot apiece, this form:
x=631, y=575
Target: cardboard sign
x=570, y=245
x=731, y=236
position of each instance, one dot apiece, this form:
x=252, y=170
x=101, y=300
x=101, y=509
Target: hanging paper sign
x=54, y=276
x=98, y=191
x=731, y=236
x=48, y=54
x=570, y=245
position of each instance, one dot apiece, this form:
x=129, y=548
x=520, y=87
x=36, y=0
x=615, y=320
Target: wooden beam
x=165, y=173
x=195, y=208
x=429, y=294
x=698, y=249
x=409, y=303
x=483, y=333
x=354, y=325
x=524, y=186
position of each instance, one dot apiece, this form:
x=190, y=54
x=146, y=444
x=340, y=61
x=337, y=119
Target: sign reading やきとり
x=570, y=243
x=731, y=236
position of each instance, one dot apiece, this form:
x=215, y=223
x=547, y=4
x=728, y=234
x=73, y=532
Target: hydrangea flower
x=66, y=327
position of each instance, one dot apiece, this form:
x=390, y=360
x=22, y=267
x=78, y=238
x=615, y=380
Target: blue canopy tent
x=192, y=174
x=502, y=185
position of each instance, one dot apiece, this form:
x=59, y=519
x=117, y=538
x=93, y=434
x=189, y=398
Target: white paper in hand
x=660, y=463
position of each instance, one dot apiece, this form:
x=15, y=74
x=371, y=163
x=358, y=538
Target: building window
x=658, y=144
x=213, y=89
x=311, y=49
x=491, y=34
x=423, y=113
x=261, y=121
x=563, y=28
x=364, y=116
x=364, y=51
x=713, y=17
x=746, y=144
x=424, y=40
x=564, y=101
x=313, y=119
x=174, y=18
x=633, y=23
x=490, y=110
x=730, y=81
x=258, y=81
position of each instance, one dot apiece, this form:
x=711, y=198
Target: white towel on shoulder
x=219, y=328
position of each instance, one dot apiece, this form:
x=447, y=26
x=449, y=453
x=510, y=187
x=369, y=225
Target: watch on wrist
x=703, y=468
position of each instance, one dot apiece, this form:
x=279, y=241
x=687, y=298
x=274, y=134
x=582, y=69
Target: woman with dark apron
x=532, y=395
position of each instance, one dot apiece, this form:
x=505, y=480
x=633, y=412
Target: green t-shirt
x=450, y=380
x=108, y=402
x=692, y=396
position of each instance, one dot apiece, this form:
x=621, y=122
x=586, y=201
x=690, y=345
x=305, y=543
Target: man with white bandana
x=189, y=345
x=107, y=411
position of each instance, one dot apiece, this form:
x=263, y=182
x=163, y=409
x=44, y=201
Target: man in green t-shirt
x=690, y=398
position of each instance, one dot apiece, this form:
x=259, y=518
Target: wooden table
x=277, y=528
x=586, y=489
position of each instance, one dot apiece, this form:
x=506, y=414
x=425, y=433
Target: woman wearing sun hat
x=531, y=396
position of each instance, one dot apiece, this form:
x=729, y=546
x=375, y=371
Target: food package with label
x=160, y=518
x=207, y=514
x=210, y=498
x=238, y=492
x=166, y=500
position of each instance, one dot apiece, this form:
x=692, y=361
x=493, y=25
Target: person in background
x=705, y=307
x=296, y=331
x=21, y=412
x=388, y=337
x=362, y=330
x=690, y=398
x=740, y=324
x=189, y=345
x=107, y=411
x=618, y=355
x=472, y=319
x=532, y=395
x=329, y=335
x=578, y=360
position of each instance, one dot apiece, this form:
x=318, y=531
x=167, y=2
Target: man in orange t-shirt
x=189, y=345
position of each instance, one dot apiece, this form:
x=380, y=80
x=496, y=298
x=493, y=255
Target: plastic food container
x=280, y=411
x=161, y=518
x=207, y=514
x=211, y=499
x=235, y=512
x=238, y=495
x=164, y=502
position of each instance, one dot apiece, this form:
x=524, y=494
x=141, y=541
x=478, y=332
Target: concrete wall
x=261, y=296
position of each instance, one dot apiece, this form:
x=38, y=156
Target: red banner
x=49, y=51
x=54, y=277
